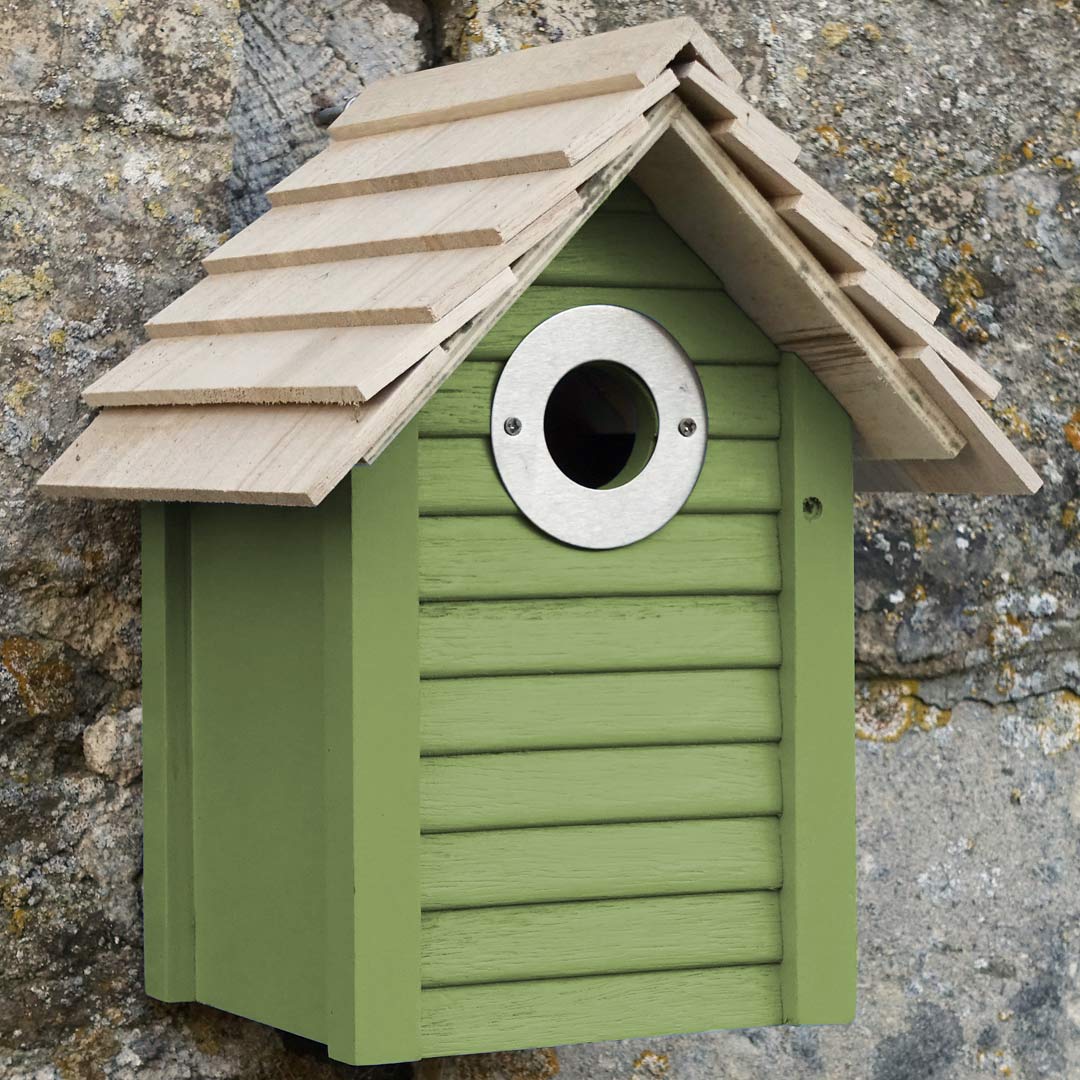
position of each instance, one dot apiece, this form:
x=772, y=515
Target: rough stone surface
x=134, y=134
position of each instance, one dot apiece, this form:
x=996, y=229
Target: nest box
x=497, y=563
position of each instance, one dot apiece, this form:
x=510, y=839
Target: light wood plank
x=557, y=712
x=469, y=1019
x=543, y=941
x=596, y=862
x=472, y=213
x=903, y=327
x=602, y=64
x=511, y=637
x=458, y=476
x=741, y=401
x=477, y=558
x=594, y=787
x=526, y=141
x=341, y=365
x=417, y=288
x=778, y=283
x=711, y=99
x=708, y=325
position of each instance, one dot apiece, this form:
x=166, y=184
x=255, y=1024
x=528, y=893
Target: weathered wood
x=471, y=213
x=530, y=140
x=708, y=325
x=602, y=64
x=543, y=941
x=511, y=637
x=168, y=840
x=711, y=99
x=596, y=862
x=466, y=1019
x=458, y=476
x=503, y=558
x=418, y=288
x=559, y=712
x=339, y=365
x=774, y=279
x=817, y=748
x=593, y=787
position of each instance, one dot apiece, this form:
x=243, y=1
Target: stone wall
x=136, y=134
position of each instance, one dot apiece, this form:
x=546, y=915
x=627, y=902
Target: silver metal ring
x=598, y=517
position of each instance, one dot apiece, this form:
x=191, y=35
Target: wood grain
x=598, y=937
x=504, y=558
x=457, y=476
x=467, y=1019
x=557, y=712
x=511, y=637
x=595, y=862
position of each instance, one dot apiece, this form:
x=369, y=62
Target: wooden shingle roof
x=322, y=328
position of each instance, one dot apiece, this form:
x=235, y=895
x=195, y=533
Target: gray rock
x=112, y=745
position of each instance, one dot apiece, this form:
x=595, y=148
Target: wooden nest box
x=497, y=563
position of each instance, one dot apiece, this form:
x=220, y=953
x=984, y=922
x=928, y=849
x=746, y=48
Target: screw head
x=512, y=425
x=687, y=427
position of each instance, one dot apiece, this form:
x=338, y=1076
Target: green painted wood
x=458, y=476
x=590, y=787
x=168, y=855
x=599, y=937
x=742, y=401
x=257, y=669
x=818, y=746
x=628, y=250
x=524, y=637
x=627, y=198
x=706, y=323
x=598, y=862
x=556, y=712
x=506, y=558
x=372, y=764
x=470, y=1019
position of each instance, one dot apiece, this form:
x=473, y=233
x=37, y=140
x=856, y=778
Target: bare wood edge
x=530, y=265
x=886, y=366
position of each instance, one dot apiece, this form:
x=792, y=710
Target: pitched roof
x=323, y=328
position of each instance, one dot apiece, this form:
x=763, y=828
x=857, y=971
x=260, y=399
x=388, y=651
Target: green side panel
x=598, y=862
x=257, y=665
x=743, y=402
x=546, y=941
x=636, y=252
x=523, y=637
x=372, y=763
x=469, y=1019
x=627, y=199
x=484, y=558
x=563, y=712
x=587, y=787
x=168, y=895
x=817, y=750
x=707, y=323
x=458, y=476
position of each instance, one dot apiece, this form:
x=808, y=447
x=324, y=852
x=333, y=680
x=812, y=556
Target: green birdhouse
x=497, y=563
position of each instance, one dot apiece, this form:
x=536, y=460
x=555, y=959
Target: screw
x=687, y=427
x=512, y=426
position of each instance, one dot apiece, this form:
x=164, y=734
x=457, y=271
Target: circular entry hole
x=600, y=424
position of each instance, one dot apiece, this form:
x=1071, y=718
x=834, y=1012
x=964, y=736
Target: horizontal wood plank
x=467, y=1019
x=706, y=324
x=742, y=401
x=504, y=558
x=511, y=637
x=598, y=862
x=554, y=712
x=594, y=787
x=628, y=251
x=598, y=937
x=458, y=476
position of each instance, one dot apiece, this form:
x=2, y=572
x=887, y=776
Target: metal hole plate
x=607, y=517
